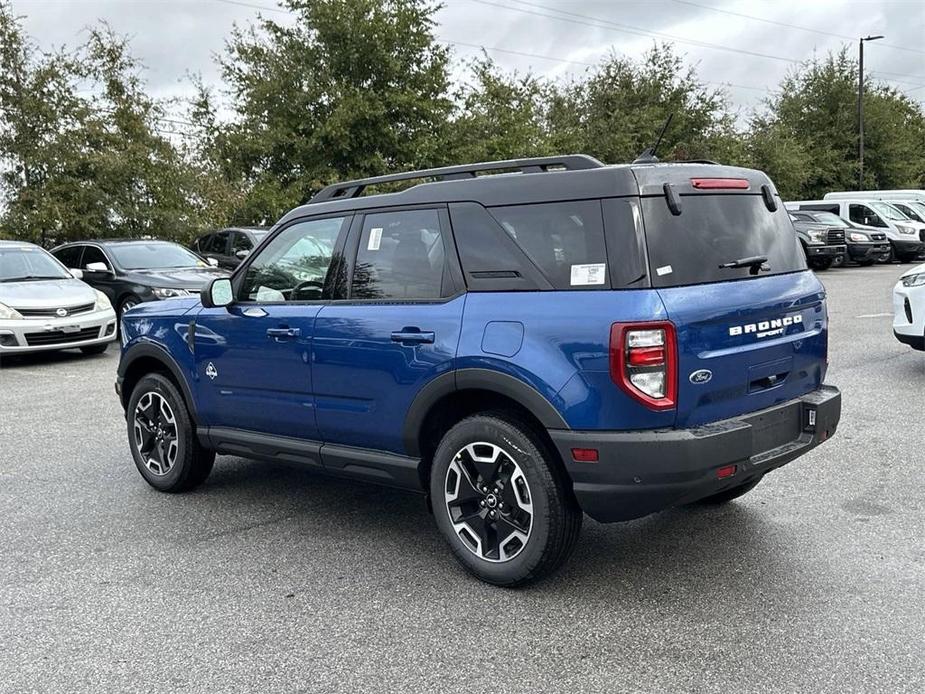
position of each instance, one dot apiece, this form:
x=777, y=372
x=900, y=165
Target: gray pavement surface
x=270, y=578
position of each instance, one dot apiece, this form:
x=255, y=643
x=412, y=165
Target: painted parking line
x=875, y=315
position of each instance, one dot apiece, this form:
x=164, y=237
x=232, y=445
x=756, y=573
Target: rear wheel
x=501, y=502
x=162, y=439
x=730, y=494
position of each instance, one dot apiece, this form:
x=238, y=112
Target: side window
x=401, y=256
x=218, y=243
x=199, y=245
x=294, y=266
x=92, y=254
x=564, y=239
x=241, y=243
x=70, y=256
x=862, y=214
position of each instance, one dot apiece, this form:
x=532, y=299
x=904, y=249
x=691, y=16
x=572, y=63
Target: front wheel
x=501, y=501
x=162, y=439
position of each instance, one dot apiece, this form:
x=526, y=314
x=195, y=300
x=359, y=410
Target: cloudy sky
x=747, y=45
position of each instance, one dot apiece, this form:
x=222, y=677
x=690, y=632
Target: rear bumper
x=641, y=472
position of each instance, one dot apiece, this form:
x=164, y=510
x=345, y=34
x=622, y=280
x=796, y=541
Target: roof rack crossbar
x=354, y=189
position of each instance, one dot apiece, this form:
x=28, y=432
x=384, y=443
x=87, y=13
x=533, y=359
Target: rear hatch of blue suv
x=735, y=366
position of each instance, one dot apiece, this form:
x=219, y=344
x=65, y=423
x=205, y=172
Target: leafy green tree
x=808, y=139
x=618, y=108
x=352, y=88
x=76, y=166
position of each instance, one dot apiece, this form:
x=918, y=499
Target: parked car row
x=877, y=226
x=74, y=295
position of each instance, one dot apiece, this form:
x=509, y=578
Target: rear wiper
x=754, y=264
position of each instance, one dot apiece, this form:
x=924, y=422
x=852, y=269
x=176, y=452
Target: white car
x=909, y=308
x=44, y=306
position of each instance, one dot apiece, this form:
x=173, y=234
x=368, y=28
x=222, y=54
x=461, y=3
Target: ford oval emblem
x=702, y=376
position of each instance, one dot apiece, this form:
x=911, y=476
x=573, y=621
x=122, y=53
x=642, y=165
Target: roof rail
x=353, y=189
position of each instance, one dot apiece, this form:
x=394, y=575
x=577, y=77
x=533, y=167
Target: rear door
x=395, y=330
x=748, y=337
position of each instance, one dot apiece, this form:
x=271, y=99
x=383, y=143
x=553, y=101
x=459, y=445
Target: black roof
x=545, y=179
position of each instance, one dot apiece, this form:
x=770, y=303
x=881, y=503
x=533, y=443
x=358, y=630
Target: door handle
x=408, y=336
x=283, y=333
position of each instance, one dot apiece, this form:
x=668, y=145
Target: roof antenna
x=648, y=156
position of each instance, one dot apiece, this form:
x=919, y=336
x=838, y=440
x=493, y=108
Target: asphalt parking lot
x=269, y=578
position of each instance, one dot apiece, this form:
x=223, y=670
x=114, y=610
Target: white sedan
x=909, y=308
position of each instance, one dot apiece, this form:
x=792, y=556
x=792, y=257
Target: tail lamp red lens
x=584, y=455
x=720, y=183
x=644, y=362
x=725, y=472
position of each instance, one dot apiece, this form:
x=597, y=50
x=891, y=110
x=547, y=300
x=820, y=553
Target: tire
x=730, y=494
x=168, y=463
x=535, y=509
x=95, y=349
x=821, y=264
x=128, y=302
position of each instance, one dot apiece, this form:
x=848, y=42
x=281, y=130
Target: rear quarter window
x=716, y=229
x=565, y=240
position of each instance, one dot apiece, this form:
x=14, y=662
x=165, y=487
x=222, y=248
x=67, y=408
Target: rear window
x=565, y=240
x=713, y=230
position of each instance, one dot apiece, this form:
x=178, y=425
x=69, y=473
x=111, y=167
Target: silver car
x=45, y=306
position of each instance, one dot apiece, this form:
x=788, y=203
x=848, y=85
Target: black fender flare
x=475, y=379
x=150, y=350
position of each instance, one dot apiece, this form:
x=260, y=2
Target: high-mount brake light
x=644, y=362
x=720, y=183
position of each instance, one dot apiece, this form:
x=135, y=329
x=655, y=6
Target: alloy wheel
x=155, y=430
x=488, y=500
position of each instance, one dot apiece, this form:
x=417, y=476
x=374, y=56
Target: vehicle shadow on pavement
x=738, y=546
x=40, y=359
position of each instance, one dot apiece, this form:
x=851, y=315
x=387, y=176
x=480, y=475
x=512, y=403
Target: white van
x=907, y=237
x=877, y=195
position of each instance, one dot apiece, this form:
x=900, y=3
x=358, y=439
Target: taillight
x=644, y=362
x=720, y=183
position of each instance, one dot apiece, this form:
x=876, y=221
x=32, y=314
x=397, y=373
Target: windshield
x=25, y=264
x=155, y=255
x=918, y=207
x=829, y=218
x=712, y=233
x=888, y=211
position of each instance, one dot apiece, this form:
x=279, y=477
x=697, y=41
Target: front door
x=396, y=329
x=253, y=358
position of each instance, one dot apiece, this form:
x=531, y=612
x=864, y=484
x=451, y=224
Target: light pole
x=861, y=108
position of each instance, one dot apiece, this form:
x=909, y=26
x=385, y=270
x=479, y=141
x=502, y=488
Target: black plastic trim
x=476, y=379
x=149, y=349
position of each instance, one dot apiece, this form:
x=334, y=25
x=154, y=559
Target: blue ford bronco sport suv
x=558, y=338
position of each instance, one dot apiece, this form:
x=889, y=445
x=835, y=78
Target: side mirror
x=75, y=273
x=242, y=254
x=212, y=262
x=217, y=293
x=99, y=268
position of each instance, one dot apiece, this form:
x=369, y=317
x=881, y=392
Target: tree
x=77, y=166
x=812, y=123
x=352, y=88
x=618, y=108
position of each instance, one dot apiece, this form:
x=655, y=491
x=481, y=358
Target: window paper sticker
x=375, y=239
x=592, y=273
x=663, y=270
